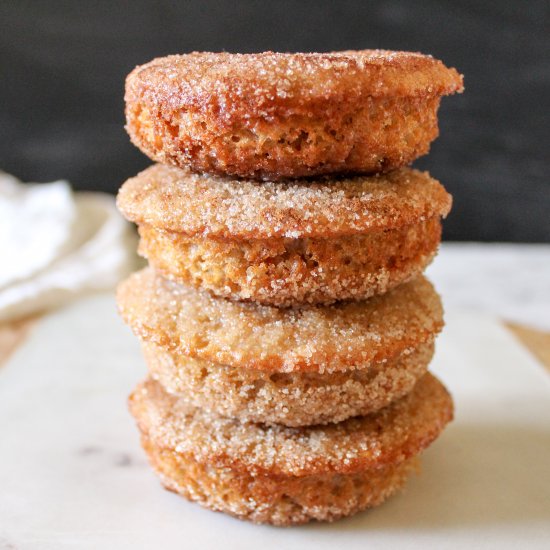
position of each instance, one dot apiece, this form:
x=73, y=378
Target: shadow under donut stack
x=284, y=317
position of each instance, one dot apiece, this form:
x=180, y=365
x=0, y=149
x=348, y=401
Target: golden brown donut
x=339, y=337
x=290, y=399
x=287, y=243
x=284, y=475
x=192, y=204
x=281, y=115
x=288, y=272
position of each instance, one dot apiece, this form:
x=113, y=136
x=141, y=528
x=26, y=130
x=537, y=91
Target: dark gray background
x=63, y=66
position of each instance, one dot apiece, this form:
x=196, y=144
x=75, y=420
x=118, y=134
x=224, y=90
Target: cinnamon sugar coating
x=389, y=436
x=285, y=475
x=343, y=336
x=275, y=115
x=290, y=399
x=180, y=201
x=277, y=500
x=287, y=272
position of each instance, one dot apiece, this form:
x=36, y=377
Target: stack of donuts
x=284, y=317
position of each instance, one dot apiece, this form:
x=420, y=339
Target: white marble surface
x=72, y=474
x=508, y=281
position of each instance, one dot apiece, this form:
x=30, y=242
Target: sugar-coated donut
x=285, y=476
x=286, y=115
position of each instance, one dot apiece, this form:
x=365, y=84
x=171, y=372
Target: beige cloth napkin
x=56, y=245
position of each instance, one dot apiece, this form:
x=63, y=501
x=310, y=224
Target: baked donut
x=318, y=339
x=285, y=476
x=287, y=243
x=287, y=115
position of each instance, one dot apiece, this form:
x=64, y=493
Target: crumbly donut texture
x=197, y=205
x=290, y=399
x=282, y=475
x=276, y=115
x=342, y=336
x=286, y=272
